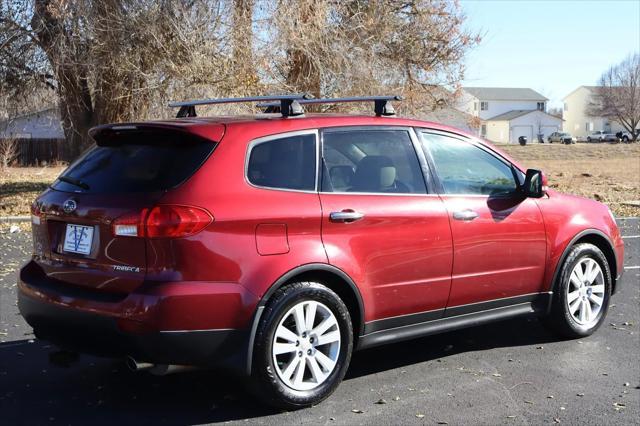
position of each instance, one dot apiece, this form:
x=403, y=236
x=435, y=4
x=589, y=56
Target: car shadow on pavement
x=523, y=331
x=100, y=391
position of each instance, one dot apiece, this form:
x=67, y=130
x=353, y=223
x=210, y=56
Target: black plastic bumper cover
x=99, y=335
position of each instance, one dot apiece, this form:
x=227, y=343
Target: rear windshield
x=134, y=167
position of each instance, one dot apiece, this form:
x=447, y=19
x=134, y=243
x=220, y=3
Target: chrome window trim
x=375, y=194
x=264, y=139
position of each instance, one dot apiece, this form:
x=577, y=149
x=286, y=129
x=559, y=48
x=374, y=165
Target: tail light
x=163, y=221
x=176, y=221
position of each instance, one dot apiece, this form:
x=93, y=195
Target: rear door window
x=371, y=161
x=135, y=165
x=284, y=162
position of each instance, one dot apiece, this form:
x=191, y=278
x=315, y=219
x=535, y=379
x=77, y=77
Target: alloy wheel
x=585, y=292
x=306, y=345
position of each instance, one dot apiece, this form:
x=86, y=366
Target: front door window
x=467, y=169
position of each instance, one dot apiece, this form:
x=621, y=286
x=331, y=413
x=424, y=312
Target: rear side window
x=143, y=165
x=288, y=162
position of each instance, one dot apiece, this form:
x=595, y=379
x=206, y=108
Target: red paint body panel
x=405, y=256
x=228, y=246
x=499, y=254
x=567, y=216
x=400, y=253
x=97, y=270
x=163, y=306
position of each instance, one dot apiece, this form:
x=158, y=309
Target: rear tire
x=303, y=346
x=582, y=293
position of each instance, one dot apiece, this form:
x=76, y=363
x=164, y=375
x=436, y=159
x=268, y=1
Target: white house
x=576, y=120
x=506, y=113
x=44, y=124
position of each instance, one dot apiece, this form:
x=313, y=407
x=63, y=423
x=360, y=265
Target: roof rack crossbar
x=289, y=104
x=382, y=104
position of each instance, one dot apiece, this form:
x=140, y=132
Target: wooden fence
x=36, y=152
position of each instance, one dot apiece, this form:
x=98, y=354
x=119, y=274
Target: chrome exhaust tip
x=134, y=365
x=155, y=369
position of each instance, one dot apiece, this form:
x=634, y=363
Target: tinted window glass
x=467, y=169
x=286, y=163
x=134, y=167
x=377, y=161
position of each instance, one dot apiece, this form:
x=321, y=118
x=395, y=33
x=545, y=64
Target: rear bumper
x=161, y=323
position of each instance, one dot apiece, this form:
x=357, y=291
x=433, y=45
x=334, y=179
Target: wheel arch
x=331, y=276
x=598, y=239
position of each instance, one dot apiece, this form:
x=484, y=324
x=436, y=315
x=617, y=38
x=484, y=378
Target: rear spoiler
x=155, y=133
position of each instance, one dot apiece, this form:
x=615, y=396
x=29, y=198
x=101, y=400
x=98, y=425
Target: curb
x=15, y=219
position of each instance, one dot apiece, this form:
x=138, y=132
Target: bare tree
x=413, y=47
x=8, y=152
x=122, y=60
x=539, y=124
x=245, y=75
x=556, y=112
x=110, y=60
x=617, y=97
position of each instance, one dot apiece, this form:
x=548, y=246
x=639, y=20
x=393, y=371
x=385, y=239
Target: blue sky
x=552, y=46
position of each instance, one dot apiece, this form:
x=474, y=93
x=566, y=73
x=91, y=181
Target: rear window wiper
x=74, y=181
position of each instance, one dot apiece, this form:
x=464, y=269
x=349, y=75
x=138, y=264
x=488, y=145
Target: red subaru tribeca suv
x=275, y=245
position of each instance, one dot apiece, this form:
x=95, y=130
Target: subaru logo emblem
x=69, y=206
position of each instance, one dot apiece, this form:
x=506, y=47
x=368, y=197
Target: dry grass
x=605, y=172
x=19, y=186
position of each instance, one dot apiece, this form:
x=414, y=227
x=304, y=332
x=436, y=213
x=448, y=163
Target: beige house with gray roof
x=577, y=122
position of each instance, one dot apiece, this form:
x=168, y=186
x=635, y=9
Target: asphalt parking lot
x=512, y=372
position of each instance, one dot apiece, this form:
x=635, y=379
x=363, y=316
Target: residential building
x=43, y=124
x=577, y=121
x=506, y=113
x=38, y=136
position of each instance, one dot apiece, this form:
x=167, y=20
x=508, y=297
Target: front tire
x=303, y=346
x=582, y=293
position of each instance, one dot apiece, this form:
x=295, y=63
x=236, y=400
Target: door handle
x=465, y=215
x=345, y=216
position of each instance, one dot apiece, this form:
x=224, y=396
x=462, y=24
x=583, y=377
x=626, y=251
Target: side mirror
x=533, y=186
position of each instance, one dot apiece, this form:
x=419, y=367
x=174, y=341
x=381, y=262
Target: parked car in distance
x=601, y=136
x=626, y=136
x=274, y=247
x=561, y=137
